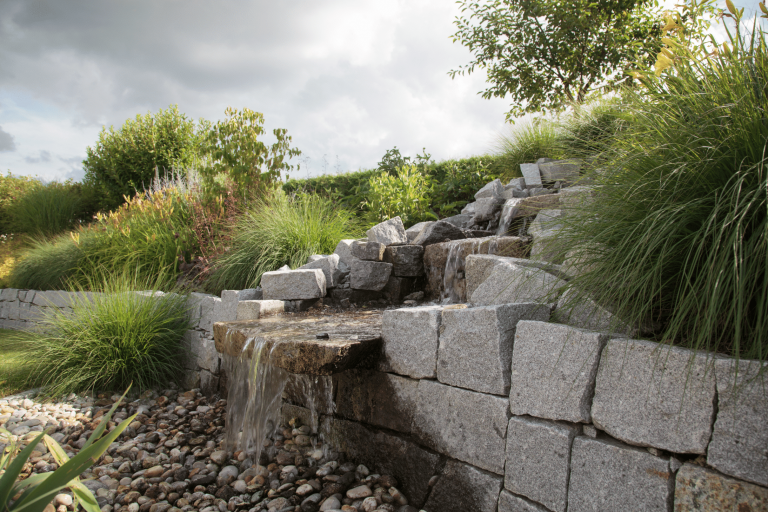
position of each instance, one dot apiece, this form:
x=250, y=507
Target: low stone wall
x=495, y=409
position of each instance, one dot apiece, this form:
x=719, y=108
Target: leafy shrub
x=405, y=193
x=677, y=237
x=111, y=338
x=349, y=190
x=12, y=188
x=280, y=230
x=126, y=160
x=45, y=210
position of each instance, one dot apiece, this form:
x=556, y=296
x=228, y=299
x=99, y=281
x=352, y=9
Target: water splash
x=508, y=214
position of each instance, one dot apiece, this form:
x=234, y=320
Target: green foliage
x=677, y=237
x=237, y=155
x=37, y=491
x=111, y=338
x=548, y=54
x=349, y=190
x=393, y=161
x=281, y=230
x=126, y=160
x=45, y=210
x=149, y=233
x=12, y=188
x=405, y=193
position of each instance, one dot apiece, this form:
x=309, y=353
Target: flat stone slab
x=740, y=435
x=606, y=475
x=508, y=502
x=510, y=283
x=293, y=344
x=553, y=371
x=531, y=174
x=410, y=339
x=699, y=489
x=538, y=460
x=654, y=395
x=462, y=488
x=330, y=267
x=255, y=309
x=292, y=285
x=560, y=170
x=438, y=232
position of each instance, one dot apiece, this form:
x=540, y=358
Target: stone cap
x=298, y=343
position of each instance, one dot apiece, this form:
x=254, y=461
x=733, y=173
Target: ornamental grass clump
x=675, y=240
x=111, y=338
x=45, y=210
x=280, y=230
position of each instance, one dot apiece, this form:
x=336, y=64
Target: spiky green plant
x=527, y=142
x=281, y=230
x=45, y=210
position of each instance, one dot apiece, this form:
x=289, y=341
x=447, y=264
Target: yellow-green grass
x=14, y=365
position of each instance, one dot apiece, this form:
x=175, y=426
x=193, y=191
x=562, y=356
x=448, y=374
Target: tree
x=549, y=54
x=236, y=154
x=126, y=160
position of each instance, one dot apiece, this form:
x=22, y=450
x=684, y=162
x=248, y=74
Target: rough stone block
x=255, y=309
x=9, y=294
x=446, y=418
x=462, y=488
x=576, y=197
x=209, y=383
x=397, y=288
x=192, y=346
x=486, y=208
x=228, y=308
x=377, y=398
x=516, y=183
x=289, y=412
x=387, y=454
x=40, y=299
x=566, y=171
x=515, y=193
x=739, y=445
x=293, y=284
x=508, y=502
x=492, y=189
x=699, y=489
x=587, y=314
x=553, y=371
x=388, y=232
x=511, y=283
x=368, y=251
x=654, y=395
x=207, y=356
x=462, y=220
x=407, y=260
x=412, y=232
x=531, y=175
x=478, y=267
x=250, y=294
x=538, y=460
x=545, y=221
x=344, y=251
x=547, y=246
x=410, y=340
x=369, y=275
x=530, y=206
x=207, y=305
x=609, y=476
x=310, y=391
x=476, y=345
x=330, y=267
x=438, y=232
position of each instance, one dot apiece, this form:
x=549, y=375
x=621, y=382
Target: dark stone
x=398, y=287
x=407, y=260
x=203, y=479
x=437, y=233
x=225, y=493
x=388, y=454
x=462, y=487
x=376, y=398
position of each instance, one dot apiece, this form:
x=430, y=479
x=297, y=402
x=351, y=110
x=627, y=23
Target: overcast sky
x=348, y=79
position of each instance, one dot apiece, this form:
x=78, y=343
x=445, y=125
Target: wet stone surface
x=171, y=459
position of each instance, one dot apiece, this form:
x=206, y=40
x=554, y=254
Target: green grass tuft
x=45, y=210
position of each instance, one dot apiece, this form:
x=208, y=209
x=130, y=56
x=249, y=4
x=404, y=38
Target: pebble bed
x=171, y=458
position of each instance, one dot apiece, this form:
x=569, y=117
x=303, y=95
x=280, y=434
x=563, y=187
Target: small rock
x=360, y=492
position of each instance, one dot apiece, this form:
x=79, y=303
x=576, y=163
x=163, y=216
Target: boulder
x=293, y=284
x=514, y=193
x=487, y=207
x=546, y=220
x=344, y=250
x=414, y=231
x=369, y=275
x=330, y=267
x=368, y=251
x=511, y=283
x=438, y=232
x=531, y=175
x=410, y=340
x=566, y=171
x=462, y=220
x=407, y=260
x=492, y=189
x=388, y=232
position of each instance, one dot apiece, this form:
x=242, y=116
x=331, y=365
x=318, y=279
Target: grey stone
x=9, y=294
x=438, y=232
x=369, y=275
x=508, y=502
x=531, y=175
x=250, y=294
x=59, y=299
x=410, y=340
x=380, y=399
x=330, y=267
x=344, y=251
x=388, y=232
x=476, y=345
x=515, y=193
x=546, y=220
x=511, y=283
x=576, y=197
x=209, y=383
x=606, y=475
x=446, y=418
x=407, y=260
x=655, y=395
x=255, y=309
x=486, y=208
x=590, y=431
x=413, y=231
x=566, y=171
x=538, y=459
x=516, y=183
x=315, y=257
x=702, y=490
x=386, y=454
x=368, y=251
x=293, y=284
x=228, y=307
x=585, y=313
x=547, y=246
x=492, y=189
x=553, y=371
x=478, y=267
x=539, y=191
x=469, y=209
x=463, y=220
x=462, y=488
x=205, y=314
x=397, y=288
x=740, y=435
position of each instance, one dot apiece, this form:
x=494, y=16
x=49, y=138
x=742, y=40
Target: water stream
x=454, y=284
x=508, y=213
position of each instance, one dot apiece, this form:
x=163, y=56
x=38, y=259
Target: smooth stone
x=388, y=232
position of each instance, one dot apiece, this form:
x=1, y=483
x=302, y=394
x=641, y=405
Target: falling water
x=508, y=213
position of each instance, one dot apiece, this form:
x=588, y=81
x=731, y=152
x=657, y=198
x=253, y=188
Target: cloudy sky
x=348, y=79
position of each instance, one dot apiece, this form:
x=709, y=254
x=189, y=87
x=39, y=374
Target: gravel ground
x=172, y=459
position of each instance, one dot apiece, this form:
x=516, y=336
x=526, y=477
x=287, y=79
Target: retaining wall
x=495, y=409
